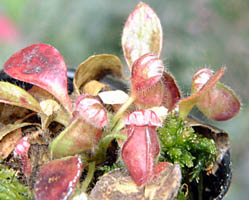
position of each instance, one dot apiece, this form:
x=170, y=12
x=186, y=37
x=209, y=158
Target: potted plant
x=99, y=143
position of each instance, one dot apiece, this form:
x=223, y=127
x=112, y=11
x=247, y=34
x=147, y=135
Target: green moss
x=10, y=187
x=181, y=144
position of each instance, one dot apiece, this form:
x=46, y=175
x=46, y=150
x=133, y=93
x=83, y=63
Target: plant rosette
x=98, y=143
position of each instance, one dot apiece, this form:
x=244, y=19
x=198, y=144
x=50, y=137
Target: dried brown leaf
x=219, y=136
x=50, y=107
x=8, y=143
x=94, y=87
x=118, y=185
x=95, y=68
x=9, y=114
x=166, y=185
x=11, y=127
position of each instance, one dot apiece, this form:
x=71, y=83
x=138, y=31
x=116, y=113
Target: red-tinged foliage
x=151, y=86
x=78, y=137
x=41, y=65
x=146, y=71
x=142, y=34
x=91, y=110
x=14, y=95
x=188, y=103
x=142, y=146
x=143, y=118
x=58, y=179
x=219, y=102
x=152, y=97
x=21, y=151
x=159, y=167
x=200, y=78
x=172, y=93
x=138, y=153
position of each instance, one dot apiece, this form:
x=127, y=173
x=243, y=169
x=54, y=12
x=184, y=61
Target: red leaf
x=146, y=86
x=142, y=34
x=172, y=93
x=41, y=65
x=58, y=179
x=188, y=103
x=219, y=102
x=151, y=97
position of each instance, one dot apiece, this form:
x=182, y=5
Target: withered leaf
x=118, y=185
x=219, y=136
x=94, y=87
x=164, y=186
x=218, y=176
x=51, y=109
x=95, y=68
x=113, y=97
x=11, y=127
x=8, y=143
x=9, y=114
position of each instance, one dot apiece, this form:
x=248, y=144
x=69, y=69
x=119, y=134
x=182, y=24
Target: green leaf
x=76, y=138
x=14, y=95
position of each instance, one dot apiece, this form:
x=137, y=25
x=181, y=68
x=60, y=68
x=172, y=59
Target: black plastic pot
x=216, y=184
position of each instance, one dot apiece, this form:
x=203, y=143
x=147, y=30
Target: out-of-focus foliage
x=197, y=33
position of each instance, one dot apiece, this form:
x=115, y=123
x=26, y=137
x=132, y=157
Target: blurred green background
x=197, y=33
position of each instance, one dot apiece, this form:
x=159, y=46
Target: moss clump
x=181, y=144
x=10, y=187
